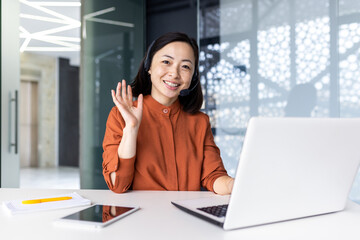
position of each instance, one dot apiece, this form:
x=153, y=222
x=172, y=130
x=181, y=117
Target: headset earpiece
x=186, y=92
x=194, y=78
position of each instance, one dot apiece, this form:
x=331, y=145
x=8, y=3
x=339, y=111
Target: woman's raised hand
x=124, y=102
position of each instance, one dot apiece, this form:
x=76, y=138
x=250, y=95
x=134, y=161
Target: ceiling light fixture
x=60, y=38
x=62, y=43
x=58, y=4
x=50, y=49
x=40, y=18
x=27, y=38
x=50, y=12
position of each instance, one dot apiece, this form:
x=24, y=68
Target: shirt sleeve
x=213, y=166
x=123, y=168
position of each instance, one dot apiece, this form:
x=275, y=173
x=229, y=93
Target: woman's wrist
x=127, y=146
x=130, y=130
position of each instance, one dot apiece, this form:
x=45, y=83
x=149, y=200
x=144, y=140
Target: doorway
x=41, y=111
x=28, y=123
x=49, y=33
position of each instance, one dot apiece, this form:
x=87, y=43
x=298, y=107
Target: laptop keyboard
x=218, y=211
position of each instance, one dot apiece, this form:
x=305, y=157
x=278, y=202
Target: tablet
x=97, y=216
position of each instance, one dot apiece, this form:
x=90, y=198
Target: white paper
x=16, y=206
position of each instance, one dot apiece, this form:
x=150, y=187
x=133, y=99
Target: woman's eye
x=165, y=61
x=186, y=67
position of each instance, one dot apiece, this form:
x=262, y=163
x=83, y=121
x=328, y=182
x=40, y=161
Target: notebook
x=16, y=206
x=289, y=168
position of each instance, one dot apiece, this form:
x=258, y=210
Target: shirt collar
x=161, y=109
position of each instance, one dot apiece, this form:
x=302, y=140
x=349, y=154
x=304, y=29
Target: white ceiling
x=51, y=27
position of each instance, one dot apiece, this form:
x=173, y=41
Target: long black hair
x=142, y=83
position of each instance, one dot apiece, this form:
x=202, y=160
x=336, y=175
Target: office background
x=277, y=58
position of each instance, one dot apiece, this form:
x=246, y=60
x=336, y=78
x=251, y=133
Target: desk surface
x=159, y=219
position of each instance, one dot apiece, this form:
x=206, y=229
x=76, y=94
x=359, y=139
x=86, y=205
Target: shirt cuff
x=125, y=166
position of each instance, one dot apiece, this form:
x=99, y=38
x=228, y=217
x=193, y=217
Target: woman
x=162, y=141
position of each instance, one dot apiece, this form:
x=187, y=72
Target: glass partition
x=349, y=67
x=277, y=58
x=112, y=48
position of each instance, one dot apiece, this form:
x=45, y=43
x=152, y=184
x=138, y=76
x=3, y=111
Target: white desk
x=159, y=219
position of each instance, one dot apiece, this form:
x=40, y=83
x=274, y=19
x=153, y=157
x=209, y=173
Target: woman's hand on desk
x=223, y=185
x=124, y=102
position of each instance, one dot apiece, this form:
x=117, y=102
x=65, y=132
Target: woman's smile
x=171, y=85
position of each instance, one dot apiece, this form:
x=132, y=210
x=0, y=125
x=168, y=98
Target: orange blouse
x=175, y=151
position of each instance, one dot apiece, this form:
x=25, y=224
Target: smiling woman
x=191, y=99
x=162, y=141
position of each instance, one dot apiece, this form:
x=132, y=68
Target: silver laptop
x=289, y=168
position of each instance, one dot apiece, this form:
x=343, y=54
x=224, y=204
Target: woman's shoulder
x=198, y=116
x=202, y=115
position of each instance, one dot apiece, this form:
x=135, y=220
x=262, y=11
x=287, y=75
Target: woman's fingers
x=140, y=102
x=123, y=90
x=115, y=99
x=122, y=97
x=118, y=87
x=129, y=94
x=119, y=104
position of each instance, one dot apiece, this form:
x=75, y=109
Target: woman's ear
x=149, y=72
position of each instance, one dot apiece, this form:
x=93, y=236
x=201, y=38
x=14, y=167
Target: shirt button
x=165, y=110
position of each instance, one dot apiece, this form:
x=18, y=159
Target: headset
x=147, y=63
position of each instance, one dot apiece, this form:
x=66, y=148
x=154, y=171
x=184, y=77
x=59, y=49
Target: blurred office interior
x=275, y=58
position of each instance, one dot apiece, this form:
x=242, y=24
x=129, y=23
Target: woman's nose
x=173, y=72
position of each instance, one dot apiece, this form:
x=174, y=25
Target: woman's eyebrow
x=184, y=60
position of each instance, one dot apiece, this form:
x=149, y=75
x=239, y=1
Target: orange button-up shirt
x=175, y=151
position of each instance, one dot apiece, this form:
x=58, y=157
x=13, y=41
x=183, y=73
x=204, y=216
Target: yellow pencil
x=33, y=201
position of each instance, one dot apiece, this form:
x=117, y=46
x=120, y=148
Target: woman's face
x=171, y=71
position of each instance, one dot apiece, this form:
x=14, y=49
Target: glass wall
x=277, y=58
x=112, y=48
